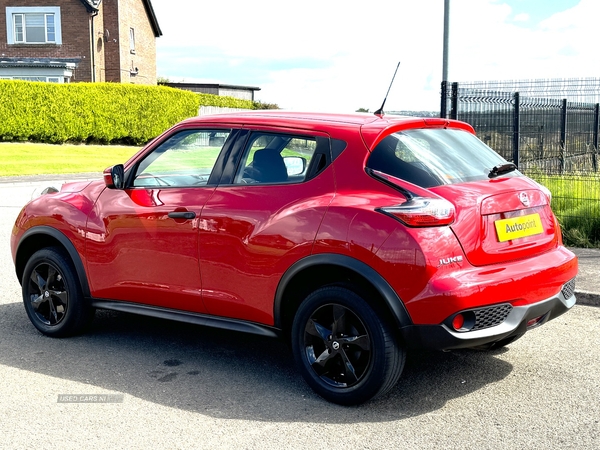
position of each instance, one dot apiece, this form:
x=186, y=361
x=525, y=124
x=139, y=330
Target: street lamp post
x=444, y=94
x=446, y=33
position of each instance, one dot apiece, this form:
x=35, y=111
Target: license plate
x=518, y=227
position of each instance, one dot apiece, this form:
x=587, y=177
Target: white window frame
x=132, y=41
x=10, y=22
x=39, y=78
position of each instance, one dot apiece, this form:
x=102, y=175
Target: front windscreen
x=435, y=156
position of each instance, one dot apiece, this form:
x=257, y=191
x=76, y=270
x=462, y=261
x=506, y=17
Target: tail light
x=422, y=212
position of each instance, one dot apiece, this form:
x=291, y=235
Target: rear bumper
x=462, y=286
x=442, y=337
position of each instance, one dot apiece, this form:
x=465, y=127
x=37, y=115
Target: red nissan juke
x=355, y=237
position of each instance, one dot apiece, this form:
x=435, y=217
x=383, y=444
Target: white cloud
x=523, y=17
x=339, y=55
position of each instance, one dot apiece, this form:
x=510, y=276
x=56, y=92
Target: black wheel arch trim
x=389, y=296
x=67, y=245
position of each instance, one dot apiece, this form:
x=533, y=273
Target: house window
x=34, y=28
x=33, y=25
x=131, y=41
x=38, y=78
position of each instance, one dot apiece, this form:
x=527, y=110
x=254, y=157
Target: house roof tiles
x=66, y=63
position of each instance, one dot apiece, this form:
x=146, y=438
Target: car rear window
x=434, y=156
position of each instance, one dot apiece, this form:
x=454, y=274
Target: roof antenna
x=379, y=112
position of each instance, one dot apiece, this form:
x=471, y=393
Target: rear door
x=262, y=218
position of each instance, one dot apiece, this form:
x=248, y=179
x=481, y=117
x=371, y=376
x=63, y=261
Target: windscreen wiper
x=501, y=169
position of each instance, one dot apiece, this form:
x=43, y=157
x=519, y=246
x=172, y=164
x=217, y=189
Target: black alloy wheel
x=337, y=345
x=52, y=295
x=345, y=352
x=47, y=294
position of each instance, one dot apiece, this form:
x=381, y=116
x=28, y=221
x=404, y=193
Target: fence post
x=516, y=129
x=444, y=100
x=563, y=134
x=454, y=102
x=596, y=125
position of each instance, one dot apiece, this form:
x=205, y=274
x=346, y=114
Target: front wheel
x=344, y=350
x=52, y=295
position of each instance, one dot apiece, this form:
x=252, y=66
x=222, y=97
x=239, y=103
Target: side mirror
x=295, y=165
x=114, y=177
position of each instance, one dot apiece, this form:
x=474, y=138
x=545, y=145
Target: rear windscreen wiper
x=501, y=169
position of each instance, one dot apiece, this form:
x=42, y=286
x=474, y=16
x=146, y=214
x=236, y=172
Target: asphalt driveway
x=183, y=386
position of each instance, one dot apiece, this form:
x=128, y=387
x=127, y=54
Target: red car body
x=245, y=255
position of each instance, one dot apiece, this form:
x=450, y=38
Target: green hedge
x=96, y=112
x=224, y=102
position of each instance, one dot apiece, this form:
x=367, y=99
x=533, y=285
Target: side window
x=184, y=159
x=132, y=41
x=276, y=158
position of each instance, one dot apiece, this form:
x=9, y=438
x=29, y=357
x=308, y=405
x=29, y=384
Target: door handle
x=182, y=215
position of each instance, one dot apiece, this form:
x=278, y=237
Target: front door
x=143, y=240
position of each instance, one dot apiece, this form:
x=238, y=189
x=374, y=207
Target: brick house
x=78, y=40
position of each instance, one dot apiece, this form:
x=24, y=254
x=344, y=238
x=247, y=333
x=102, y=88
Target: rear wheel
x=344, y=351
x=52, y=295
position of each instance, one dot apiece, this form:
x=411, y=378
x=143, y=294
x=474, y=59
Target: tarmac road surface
x=181, y=386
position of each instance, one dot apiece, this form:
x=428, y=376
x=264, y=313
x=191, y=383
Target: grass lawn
x=25, y=158
x=576, y=203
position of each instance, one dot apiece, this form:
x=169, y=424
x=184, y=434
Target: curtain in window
x=34, y=28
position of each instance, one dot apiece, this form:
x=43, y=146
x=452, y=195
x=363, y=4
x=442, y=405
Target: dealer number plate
x=518, y=227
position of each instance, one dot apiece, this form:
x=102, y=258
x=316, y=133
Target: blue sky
x=535, y=11
x=334, y=55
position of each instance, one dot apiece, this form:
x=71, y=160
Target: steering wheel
x=159, y=181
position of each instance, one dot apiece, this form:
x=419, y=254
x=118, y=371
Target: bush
x=96, y=112
x=224, y=102
x=576, y=203
x=257, y=104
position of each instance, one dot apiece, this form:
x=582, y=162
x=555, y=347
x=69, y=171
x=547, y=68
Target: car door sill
x=187, y=317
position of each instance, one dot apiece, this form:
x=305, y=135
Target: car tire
x=52, y=294
x=346, y=353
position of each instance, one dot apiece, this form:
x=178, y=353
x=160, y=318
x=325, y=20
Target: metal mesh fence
x=549, y=129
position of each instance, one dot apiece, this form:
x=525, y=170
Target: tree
x=262, y=105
